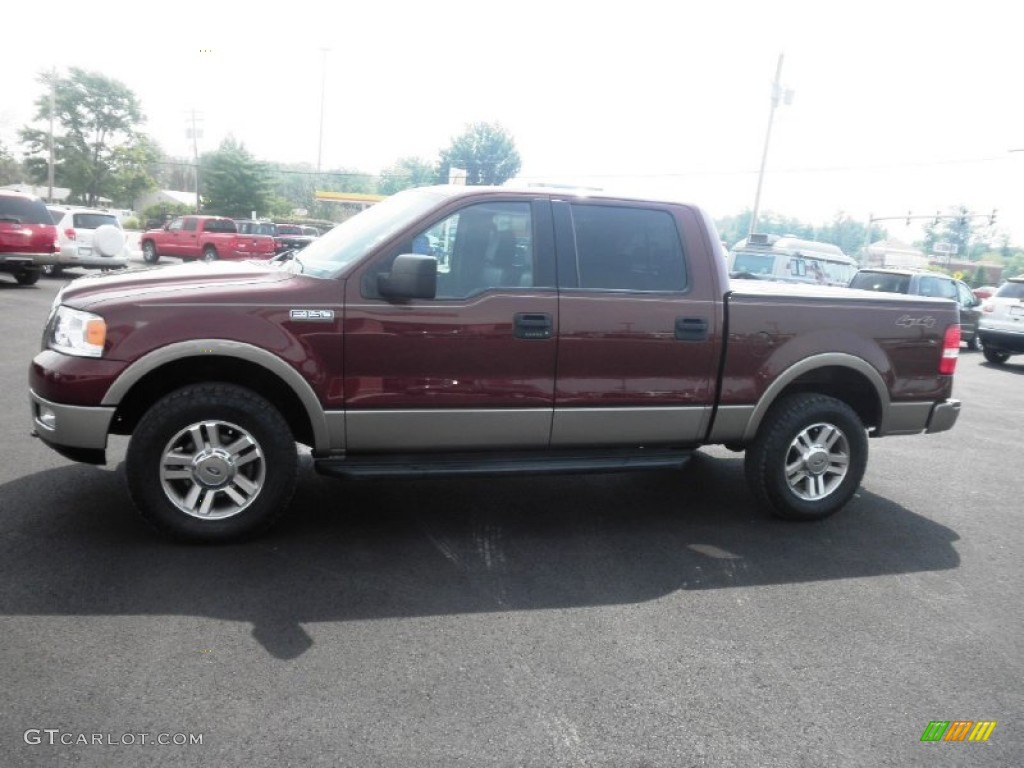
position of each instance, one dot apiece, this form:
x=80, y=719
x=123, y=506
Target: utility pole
x=323, y=86
x=194, y=133
x=777, y=95
x=53, y=108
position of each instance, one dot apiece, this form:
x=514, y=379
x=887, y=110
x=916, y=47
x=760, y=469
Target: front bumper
x=75, y=431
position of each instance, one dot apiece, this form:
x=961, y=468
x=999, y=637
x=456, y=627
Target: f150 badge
x=909, y=322
x=312, y=315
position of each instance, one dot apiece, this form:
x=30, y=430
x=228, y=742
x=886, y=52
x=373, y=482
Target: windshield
x=330, y=253
x=837, y=273
x=753, y=263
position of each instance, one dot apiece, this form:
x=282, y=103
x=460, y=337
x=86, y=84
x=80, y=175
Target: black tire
x=188, y=485
x=822, y=476
x=995, y=356
x=974, y=344
x=53, y=270
x=210, y=253
x=28, y=276
x=149, y=254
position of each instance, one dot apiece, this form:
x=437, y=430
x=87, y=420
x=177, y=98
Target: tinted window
x=288, y=229
x=93, y=220
x=633, y=249
x=881, y=281
x=936, y=286
x=190, y=225
x=1011, y=291
x=27, y=210
x=179, y=224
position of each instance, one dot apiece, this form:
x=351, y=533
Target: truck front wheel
x=212, y=463
x=209, y=253
x=149, y=254
x=808, y=458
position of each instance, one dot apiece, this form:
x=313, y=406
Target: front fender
x=227, y=348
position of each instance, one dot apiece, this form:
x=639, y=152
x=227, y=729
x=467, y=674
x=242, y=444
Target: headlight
x=74, y=332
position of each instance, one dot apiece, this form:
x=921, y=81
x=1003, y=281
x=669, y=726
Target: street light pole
x=53, y=108
x=323, y=86
x=776, y=95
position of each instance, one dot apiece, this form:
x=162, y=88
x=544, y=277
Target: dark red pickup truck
x=467, y=330
x=204, y=237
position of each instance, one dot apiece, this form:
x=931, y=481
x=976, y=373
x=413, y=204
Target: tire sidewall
x=221, y=402
x=784, y=422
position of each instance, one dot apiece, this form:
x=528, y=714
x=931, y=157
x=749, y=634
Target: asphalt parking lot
x=651, y=619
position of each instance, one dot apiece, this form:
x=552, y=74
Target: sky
x=897, y=106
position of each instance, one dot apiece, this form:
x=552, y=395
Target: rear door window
x=627, y=248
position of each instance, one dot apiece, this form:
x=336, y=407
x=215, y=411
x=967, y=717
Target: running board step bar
x=483, y=465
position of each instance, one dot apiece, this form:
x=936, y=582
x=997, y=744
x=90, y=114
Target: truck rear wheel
x=212, y=463
x=28, y=276
x=209, y=253
x=808, y=457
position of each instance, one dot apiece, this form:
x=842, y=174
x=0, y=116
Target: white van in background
x=791, y=260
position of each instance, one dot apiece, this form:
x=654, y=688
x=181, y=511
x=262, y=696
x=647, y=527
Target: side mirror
x=412, y=276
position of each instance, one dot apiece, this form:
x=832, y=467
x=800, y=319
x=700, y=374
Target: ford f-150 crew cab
x=539, y=332
x=204, y=237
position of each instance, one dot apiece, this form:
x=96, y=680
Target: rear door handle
x=530, y=325
x=691, y=329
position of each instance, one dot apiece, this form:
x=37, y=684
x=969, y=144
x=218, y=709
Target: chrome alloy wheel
x=212, y=470
x=817, y=461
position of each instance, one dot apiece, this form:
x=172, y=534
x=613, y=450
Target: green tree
x=959, y=229
x=135, y=167
x=11, y=171
x=233, y=182
x=485, y=151
x=405, y=173
x=96, y=115
x=294, y=183
x=848, y=233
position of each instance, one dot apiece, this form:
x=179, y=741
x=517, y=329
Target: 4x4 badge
x=907, y=321
x=316, y=315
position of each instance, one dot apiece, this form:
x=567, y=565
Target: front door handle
x=533, y=325
x=691, y=329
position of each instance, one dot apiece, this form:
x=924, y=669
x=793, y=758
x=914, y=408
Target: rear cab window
x=881, y=281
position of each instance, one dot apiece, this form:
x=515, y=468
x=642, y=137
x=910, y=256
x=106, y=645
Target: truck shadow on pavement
x=71, y=544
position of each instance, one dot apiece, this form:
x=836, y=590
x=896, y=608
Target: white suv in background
x=1002, y=322
x=88, y=238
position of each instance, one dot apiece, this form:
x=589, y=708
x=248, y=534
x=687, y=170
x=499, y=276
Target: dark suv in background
x=924, y=283
x=28, y=237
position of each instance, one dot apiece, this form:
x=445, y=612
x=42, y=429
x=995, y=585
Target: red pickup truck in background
x=204, y=237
